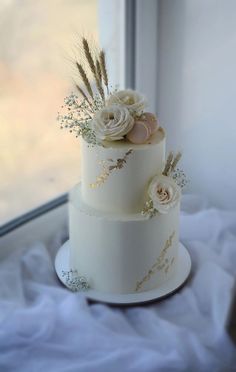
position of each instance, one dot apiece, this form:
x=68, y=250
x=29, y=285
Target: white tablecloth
x=44, y=327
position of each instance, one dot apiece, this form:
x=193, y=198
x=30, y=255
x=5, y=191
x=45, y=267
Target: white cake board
x=182, y=272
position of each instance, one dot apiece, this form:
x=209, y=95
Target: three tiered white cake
x=124, y=215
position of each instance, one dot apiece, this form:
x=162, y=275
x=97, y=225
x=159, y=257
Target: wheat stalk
x=175, y=161
x=85, y=79
x=100, y=88
x=82, y=93
x=99, y=72
x=92, y=66
x=88, y=56
x=102, y=59
x=168, y=164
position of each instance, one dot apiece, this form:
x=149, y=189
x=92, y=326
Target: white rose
x=112, y=123
x=164, y=193
x=134, y=101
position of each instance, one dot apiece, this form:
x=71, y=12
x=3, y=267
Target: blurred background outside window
x=38, y=160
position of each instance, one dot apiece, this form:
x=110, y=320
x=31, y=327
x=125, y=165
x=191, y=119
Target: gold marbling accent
x=108, y=166
x=161, y=263
x=148, y=209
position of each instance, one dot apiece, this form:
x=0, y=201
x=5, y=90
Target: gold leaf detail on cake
x=161, y=263
x=108, y=166
x=148, y=209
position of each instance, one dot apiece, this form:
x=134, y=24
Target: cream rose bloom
x=164, y=193
x=112, y=123
x=134, y=101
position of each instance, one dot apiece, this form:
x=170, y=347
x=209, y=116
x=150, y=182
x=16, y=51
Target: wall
x=197, y=92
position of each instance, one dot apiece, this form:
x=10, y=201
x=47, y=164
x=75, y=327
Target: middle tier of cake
x=122, y=253
x=115, y=176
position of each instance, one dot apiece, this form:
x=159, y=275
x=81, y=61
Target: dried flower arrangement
x=79, y=112
x=164, y=190
x=172, y=171
x=102, y=113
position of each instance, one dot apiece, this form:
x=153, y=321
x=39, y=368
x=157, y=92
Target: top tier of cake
x=115, y=176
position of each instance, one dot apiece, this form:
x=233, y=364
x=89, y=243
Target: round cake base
x=166, y=289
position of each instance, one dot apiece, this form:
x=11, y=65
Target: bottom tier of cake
x=125, y=253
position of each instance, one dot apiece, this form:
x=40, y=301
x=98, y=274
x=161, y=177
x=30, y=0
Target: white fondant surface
x=123, y=191
x=115, y=252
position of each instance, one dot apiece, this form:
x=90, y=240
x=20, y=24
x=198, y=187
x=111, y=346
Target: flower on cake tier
x=164, y=193
x=112, y=123
x=134, y=101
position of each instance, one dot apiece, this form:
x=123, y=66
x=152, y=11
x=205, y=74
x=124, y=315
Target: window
x=38, y=161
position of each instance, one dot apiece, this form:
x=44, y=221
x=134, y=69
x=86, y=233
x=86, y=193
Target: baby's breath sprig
x=75, y=282
x=77, y=117
x=180, y=178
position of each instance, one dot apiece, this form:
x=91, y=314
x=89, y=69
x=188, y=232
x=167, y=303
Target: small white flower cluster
x=119, y=116
x=71, y=100
x=78, y=117
x=180, y=178
x=75, y=282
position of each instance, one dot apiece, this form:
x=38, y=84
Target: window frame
x=146, y=36
x=33, y=214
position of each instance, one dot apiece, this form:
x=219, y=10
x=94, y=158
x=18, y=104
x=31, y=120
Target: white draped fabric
x=44, y=327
